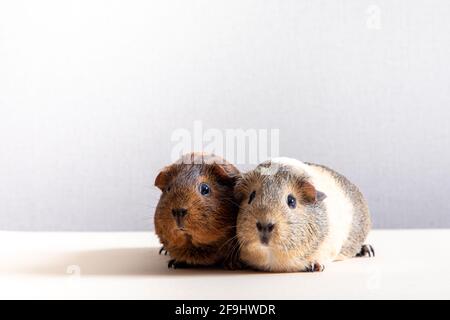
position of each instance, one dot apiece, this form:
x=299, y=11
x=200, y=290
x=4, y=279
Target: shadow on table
x=113, y=262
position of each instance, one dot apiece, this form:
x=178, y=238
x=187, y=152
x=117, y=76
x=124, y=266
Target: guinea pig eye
x=204, y=189
x=252, y=196
x=291, y=202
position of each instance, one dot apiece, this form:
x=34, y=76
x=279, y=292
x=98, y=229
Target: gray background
x=91, y=91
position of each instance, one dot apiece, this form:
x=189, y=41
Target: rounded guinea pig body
x=297, y=216
x=195, y=218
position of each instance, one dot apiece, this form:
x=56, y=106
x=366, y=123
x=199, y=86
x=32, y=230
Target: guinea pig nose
x=181, y=212
x=265, y=227
x=259, y=226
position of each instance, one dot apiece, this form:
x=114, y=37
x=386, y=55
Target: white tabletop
x=409, y=264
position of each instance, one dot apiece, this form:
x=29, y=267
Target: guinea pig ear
x=309, y=193
x=239, y=189
x=226, y=173
x=164, y=177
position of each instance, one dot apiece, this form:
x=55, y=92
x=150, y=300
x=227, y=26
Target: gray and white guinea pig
x=297, y=216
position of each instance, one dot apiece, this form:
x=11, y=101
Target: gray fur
x=361, y=223
x=320, y=221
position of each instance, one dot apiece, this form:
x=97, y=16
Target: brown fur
x=209, y=231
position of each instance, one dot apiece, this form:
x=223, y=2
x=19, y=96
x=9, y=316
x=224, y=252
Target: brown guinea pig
x=195, y=219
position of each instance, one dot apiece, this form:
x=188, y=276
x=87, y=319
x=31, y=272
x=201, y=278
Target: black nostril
x=266, y=227
x=179, y=212
x=259, y=226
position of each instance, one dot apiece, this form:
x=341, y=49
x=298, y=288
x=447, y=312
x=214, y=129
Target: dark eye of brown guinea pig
x=204, y=189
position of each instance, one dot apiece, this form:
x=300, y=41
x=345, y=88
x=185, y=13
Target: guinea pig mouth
x=180, y=225
x=182, y=229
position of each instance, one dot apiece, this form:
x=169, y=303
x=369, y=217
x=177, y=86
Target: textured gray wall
x=91, y=91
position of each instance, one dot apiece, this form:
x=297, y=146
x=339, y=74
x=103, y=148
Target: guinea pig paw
x=366, y=251
x=174, y=264
x=315, y=267
x=234, y=265
x=163, y=250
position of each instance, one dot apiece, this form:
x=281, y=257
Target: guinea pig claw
x=173, y=264
x=316, y=267
x=163, y=250
x=366, y=251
